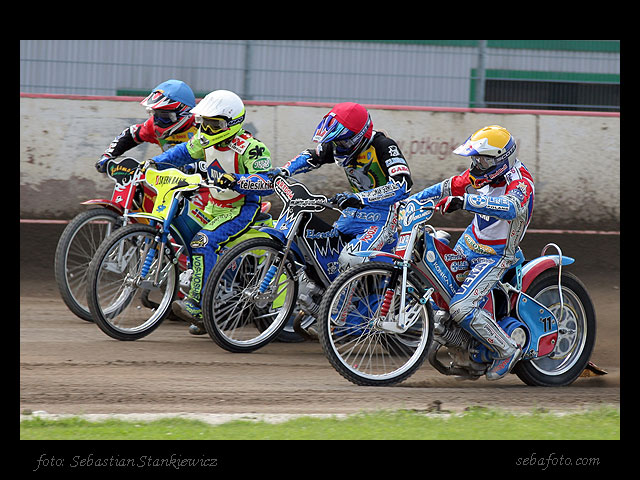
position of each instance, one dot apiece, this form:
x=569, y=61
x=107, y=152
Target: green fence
x=523, y=74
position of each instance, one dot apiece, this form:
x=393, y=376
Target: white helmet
x=220, y=115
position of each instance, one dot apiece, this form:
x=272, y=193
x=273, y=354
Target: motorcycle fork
x=400, y=324
x=161, y=242
x=275, y=272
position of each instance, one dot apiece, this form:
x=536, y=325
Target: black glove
x=226, y=181
x=346, y=200
x=450, y=204
x=278, y=171
x=101, y=165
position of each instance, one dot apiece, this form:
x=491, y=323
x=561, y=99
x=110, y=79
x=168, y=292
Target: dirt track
x=68, y=365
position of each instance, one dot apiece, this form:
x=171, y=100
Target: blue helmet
x=170, y=104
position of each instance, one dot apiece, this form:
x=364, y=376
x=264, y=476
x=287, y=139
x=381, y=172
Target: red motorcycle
x=84, y=233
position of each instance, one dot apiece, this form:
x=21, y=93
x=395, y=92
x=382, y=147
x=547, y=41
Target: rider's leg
x=465, y=310
x=373, y=230
x=206, y=247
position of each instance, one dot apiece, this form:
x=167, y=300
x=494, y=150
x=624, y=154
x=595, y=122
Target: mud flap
x=592, y=370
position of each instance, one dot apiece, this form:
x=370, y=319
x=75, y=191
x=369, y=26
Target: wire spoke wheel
x=76, y=247
x=576, y=331
x=130, y=289
x=354, y=337
x=242, y=310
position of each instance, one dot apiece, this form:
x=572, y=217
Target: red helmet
x=347, y=127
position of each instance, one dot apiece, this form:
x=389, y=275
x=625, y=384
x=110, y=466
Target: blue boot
x=501, y=366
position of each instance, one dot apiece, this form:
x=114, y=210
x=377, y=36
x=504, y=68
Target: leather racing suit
x=489, y=245
x=233, y=211
x=380, y=177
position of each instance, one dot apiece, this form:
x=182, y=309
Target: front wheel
x=77, y=246
x=131, y=283
x=576, y=331
x=244, y=305
x=351, y=330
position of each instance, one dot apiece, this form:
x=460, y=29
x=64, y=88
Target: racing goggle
x=213, y=125
x=482, y=162
x=346, y=145
x=163, y=116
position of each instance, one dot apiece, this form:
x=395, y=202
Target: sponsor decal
x=282, y=189
x=477, y=201
x=262, y=164
x=239, y=144
x=477, y=247
x=393, y=151
x=167, y=180
x=399, y=169
x=311, y=233
x=198, y=216
x=199, y=241
x=254, y=182
x=369, y=233
x=394, y=160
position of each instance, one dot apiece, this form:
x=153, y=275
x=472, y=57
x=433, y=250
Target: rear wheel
x=576, y=331
x=242, y=309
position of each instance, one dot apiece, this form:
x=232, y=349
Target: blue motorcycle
x=378, y=322
x=255, y=287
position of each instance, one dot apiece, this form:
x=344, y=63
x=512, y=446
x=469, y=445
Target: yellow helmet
x=492, y=151
x=220, y=115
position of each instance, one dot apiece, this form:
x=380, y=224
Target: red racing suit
x=144, y=132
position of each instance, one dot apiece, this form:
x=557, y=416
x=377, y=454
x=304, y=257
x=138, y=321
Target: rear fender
x=538, y=265
x=105, y=203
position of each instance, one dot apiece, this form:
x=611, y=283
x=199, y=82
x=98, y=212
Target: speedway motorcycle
x=134, y=275
x=255, y=287
x=84, y=233
x=378, y=322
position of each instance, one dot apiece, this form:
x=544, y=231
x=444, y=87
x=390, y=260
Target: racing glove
x=450, y=204
x=101, y=165
x=226, y=181
x=278, y=171
x=347, y=200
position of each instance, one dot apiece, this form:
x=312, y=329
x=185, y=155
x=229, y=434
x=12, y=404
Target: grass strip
x=475, y=423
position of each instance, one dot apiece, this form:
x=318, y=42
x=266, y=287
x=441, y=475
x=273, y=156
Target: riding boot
x=504, y=350
x=189, y=308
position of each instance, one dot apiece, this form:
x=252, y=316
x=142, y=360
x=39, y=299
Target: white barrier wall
x=575, y=160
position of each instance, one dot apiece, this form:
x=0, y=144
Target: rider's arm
x=308, y=160
x=385, y=195
x=255, y=160
x=452, y=186
x=123, y=142
x=516, y=201
x=181, y=154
